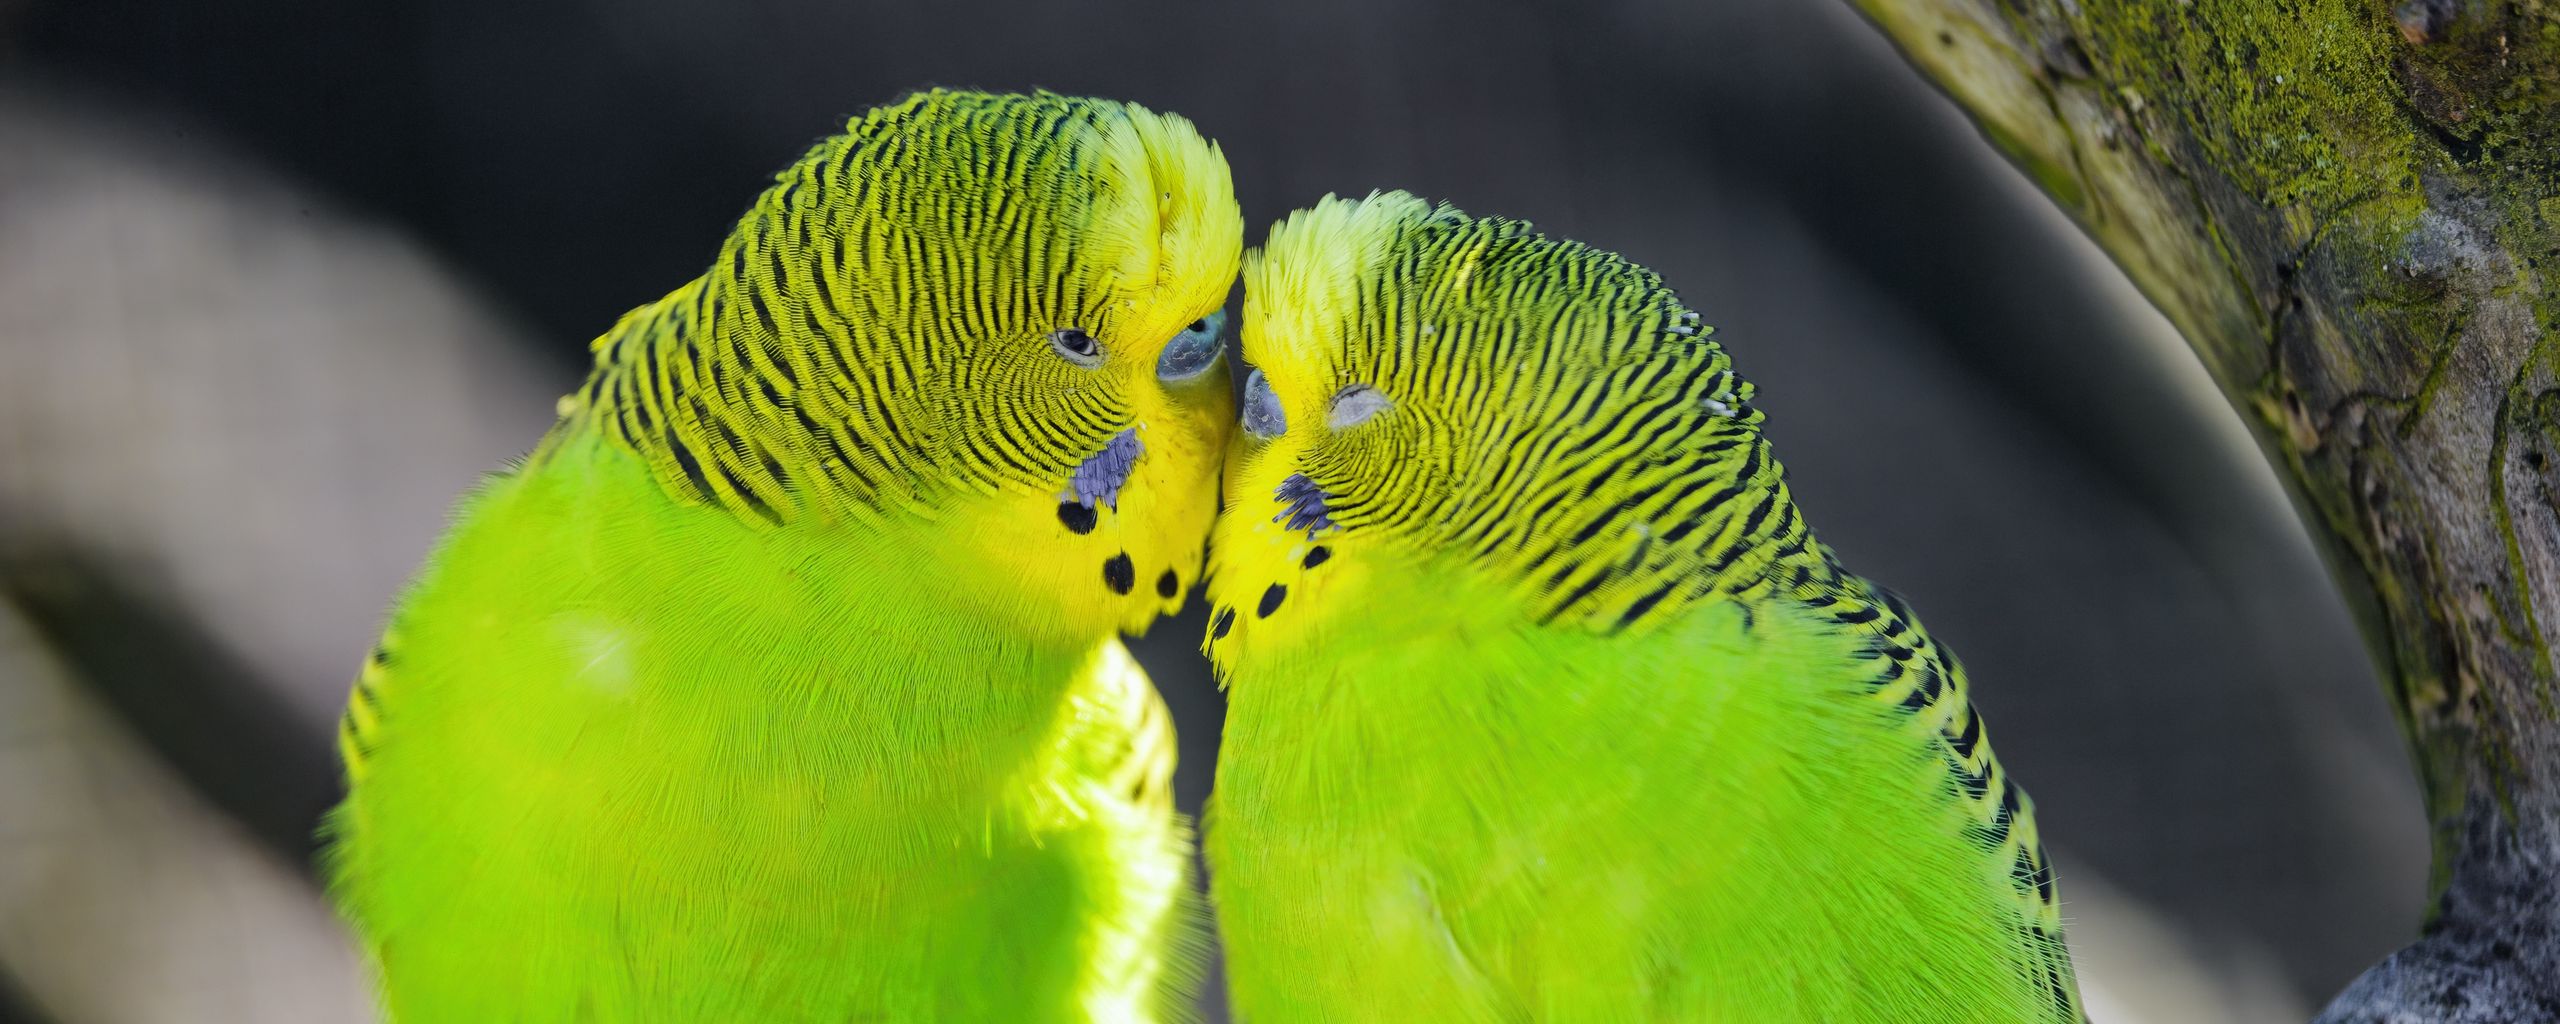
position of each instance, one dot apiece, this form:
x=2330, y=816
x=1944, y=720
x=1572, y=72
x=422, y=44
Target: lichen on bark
x=2351, y=209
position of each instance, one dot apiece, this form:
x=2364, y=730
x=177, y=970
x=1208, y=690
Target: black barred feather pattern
x=1604, y=454
x=812, y=597
x=1921, y=677
x=1570, y=427
x=360, y=726
x=814, y=366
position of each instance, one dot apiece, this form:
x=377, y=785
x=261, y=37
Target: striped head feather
x=990, y=320
x=1455, y=425
x=1463, y=394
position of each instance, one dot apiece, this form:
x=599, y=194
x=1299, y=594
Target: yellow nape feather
x=1545, y=702
x=1307, y=280
x=1190, y=233
x=782, y=682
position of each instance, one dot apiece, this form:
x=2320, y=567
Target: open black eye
x=1262, y=414
x=1076, y=346
x=1192, y=351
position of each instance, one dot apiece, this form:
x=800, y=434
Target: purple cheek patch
x=1302, y=505
x=1100, y=476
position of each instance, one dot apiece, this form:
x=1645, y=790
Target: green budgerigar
x=782, y=681
x=1545, y=704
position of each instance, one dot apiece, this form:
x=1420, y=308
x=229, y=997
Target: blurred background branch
x=229, y=426
x=2352, y=210
x=279, y=278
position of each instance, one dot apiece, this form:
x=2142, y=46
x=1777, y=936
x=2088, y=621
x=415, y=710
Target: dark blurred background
x=279, y=278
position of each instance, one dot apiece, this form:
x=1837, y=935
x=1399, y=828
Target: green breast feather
x=1545, y=702
x=782, y=681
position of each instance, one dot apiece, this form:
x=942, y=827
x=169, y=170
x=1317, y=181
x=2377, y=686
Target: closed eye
x=1354, y=405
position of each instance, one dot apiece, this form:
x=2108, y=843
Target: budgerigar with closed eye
x=782, y=681
x=1545, y=703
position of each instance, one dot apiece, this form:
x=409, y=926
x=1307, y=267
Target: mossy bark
x=2351, y=209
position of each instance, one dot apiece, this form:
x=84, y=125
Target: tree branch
x=2352, y=211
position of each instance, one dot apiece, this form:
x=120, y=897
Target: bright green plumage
x=1545, y=705
x=782, y=681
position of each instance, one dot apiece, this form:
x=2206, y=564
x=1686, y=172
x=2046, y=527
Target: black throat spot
x=1077, y=516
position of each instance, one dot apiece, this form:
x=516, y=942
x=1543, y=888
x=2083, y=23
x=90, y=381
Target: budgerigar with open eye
x=782, y=682
x=1545, y=705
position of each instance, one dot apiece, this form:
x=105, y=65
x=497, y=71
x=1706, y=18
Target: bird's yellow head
x=996, y=316
x=1442, y=398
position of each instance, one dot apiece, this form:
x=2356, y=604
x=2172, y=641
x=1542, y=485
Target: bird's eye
x=1076, y=346
x=1354, y=405
x=1262, y=415
x=1192, y=351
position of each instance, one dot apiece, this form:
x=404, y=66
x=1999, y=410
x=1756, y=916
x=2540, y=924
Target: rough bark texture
x=2351, y=208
